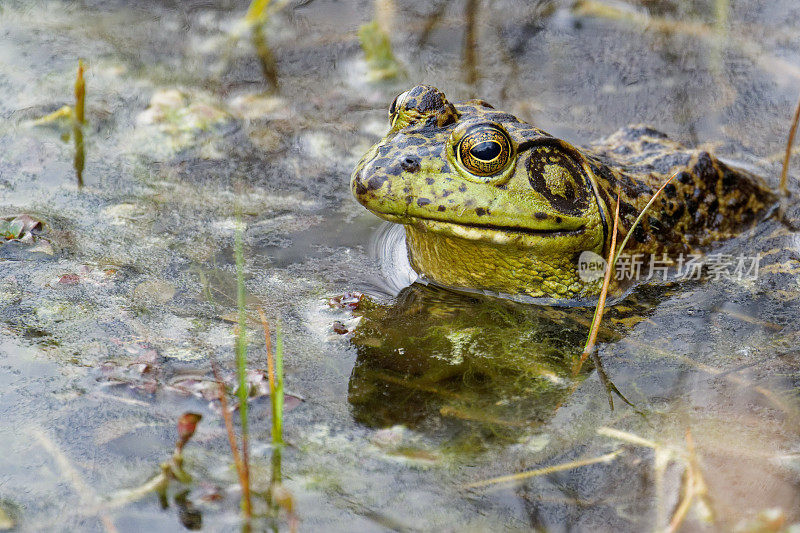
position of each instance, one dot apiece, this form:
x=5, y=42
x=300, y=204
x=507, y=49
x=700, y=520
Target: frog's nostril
x=410, y=164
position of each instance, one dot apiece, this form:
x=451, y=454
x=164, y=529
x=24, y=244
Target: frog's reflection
x=441, y=361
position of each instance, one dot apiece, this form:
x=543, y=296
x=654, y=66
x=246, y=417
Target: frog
x=493, y=204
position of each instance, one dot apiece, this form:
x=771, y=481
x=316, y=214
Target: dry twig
x=789, y=143
x=601, y=302
x=546, y=470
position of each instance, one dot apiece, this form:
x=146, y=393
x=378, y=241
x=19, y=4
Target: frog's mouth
x=499, y=235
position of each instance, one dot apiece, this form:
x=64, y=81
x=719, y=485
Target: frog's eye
x=397, y=103
x=484, y=150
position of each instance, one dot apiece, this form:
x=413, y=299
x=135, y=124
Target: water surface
x=435, y=391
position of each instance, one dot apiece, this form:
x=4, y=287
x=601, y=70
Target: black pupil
x=485, y=151
x=393, y=107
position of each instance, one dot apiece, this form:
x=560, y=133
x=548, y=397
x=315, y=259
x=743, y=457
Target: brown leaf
x=187, y=424
x=348, y=300
x=29, y=224
x=69, y=279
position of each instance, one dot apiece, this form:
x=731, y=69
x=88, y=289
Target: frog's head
x=488, y=202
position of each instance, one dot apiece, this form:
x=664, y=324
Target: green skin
x=521, y=230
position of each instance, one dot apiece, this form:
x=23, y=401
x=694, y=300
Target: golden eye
x=484, y=150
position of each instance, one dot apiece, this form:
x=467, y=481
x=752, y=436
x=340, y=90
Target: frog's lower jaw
x=545, y=268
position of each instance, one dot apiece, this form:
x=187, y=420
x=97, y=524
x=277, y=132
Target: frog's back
x=707, y=200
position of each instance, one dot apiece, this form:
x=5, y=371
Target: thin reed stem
x=601, y=301
x=237, y=458
x=789, y=143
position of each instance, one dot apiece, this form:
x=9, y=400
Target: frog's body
x=492, y=203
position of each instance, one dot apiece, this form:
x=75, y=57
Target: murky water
x=111, y=320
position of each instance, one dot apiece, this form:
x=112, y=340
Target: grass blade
x=80, y=94
x=277, y=406
x=275, y=376
x=256, y=11
x=79, y=120
x=241, y=363
x=268, y=344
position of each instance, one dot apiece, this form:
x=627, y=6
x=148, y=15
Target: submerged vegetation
x=256, y=18
x=374, y=38
x=75, y=116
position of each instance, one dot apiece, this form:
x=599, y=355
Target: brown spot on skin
x=429, y=181
x=502, y=117
x=685, y=178
x=394, y=170
x=700, y=218
x=462, y=188
x=628, y=211
x=480, y=211
x=445, y=194
x=730, y=180
x=540, y=215
x=410, y=164
x=679, y=210
x=558, y=220
x=376, y=182
x=648, y=146
x=656, y=227
x=441, y=208
x=411, y=141
x=713, y=206
x=640, y=234
x=705, y=171
x=422, y=202
x=431, y=100
x=447, y=116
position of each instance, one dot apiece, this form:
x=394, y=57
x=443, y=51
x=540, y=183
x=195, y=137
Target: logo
x=591, y=266
x=639, y=266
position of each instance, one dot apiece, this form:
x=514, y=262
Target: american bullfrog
x=492, y=203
